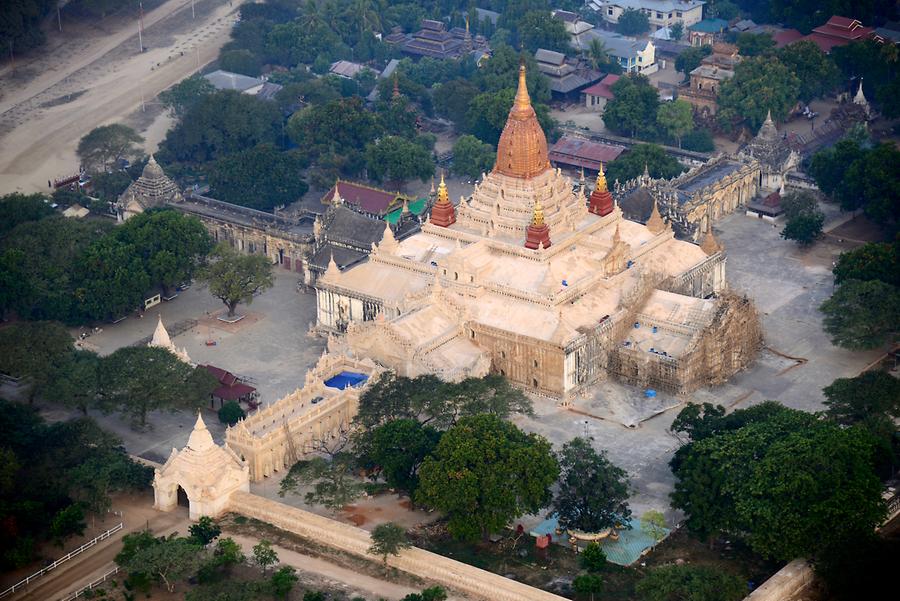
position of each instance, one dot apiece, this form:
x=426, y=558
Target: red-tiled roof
x=233, y=393
x=225, y=377
x=837, y=21
x=579, y=152
x=839, y=31
x=370, y=200
x=785, y=37
x=602, y=87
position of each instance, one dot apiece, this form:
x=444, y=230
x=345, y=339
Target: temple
x=776, y=157
x=161, y=339
x=152, y=189
x=528, y=279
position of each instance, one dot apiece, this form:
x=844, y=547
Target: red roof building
x=230, y=388
x=786, y=36
x=364, y=199
x=595, y=96
x=840, y=31
x=583, y=154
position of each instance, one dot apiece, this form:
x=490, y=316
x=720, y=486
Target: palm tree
x=597, y=53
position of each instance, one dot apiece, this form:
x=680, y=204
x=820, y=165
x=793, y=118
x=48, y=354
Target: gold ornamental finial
x=601, y=180
x=443, y=197
x=538, y=217
x=523, y=100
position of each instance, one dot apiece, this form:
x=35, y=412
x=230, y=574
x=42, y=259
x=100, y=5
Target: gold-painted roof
x=522, y=150
x=443, y=197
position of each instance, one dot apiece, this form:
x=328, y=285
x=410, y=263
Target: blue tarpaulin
x=345, y=379
x=625, y=551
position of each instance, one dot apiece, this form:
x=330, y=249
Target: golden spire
x=537, y=217
x=601, y=180
x=522, y=149
x=443, y=197
x=655, y=224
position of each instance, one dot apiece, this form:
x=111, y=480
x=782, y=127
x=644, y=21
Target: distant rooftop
x=710, y=26
x=226, y=80
x=660, y=5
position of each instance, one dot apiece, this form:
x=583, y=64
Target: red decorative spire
x=442, y=213
x=601, y=201
x=538, y=233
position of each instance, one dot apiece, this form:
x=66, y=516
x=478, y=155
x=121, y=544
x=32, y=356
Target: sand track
x=93, y=78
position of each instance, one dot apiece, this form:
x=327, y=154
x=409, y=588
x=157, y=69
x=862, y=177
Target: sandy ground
x=95, y=77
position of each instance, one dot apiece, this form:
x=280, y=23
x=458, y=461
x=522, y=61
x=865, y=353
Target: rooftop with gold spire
x=442, y=213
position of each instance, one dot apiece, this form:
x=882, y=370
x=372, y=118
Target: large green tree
x=862, y=315
x=74, y=381
x=219, y=124
x=755, y=44
x=260, y=178
x=111, y=279
x=690, y=583
x=399, y=447
x=593, y=493
x=184, y=95
x=18, y=208
x=539, y=29
x=788, y=483
x=103, y=146
x=631, y=164
x=395, y=159
x=137, y=380
x=30, y=349
x=170, y=244
x=236, y=278
x=872, y=261
x=632, y=111
x=760, y=84
x=332, y=482
x=676, y=118
x=871, y=183
x=472, y=157
x=486, y=472
x=690, y=59
x=20, y=24
x=872, y=395
x=816, y=70
x=170, y=560
x=388, y=539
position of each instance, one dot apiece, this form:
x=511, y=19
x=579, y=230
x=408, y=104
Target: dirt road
x=96, y=78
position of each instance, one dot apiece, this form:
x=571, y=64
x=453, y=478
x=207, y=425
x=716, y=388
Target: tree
x=219, y=124
x=340, y=127
x=433, y=593
x=789, y=484
x=67, y=522
x=388, y=539
x=170, y=244
x=804, y=228
x=452, y=100
x=829, y=165
x=185, y=94
x=760, y=84
x=650, y=156
x=21, y=208
x=588, y=585
x=205, y=531
x=334, y=486
x=633, y=23
x=110, y=279
x=676, y=31
x=691, y=582
x=396, y=159
x=283, y=581
x=872, y=261
x=691, y=58
x=698, y=421
x=502, y=73
x=430, y=401
x=676, y=118
x=539, y=29
x=871, y=400
x=593, y=493
x=653, y=523
x=484, y=473
x=227, y=553
x=241, y=61
x=399, y=447
x=102, y=148
x=698, y=140
x=721, y=9
x=817, y=72
x=862, y=315
x=755, y=44
x=137, y=380
x=261, y=178
x=264, y=555
x=169, y=560
x=231, y=413
x=870, y=182
x=29, y=350
x=109, y=186
x=632, y=110
x=20, y=29
x=472, y=157
x=73, y=381
x=593, y=559
x=236, y=278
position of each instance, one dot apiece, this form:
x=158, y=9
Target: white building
x=662, y=13
x=634, y=56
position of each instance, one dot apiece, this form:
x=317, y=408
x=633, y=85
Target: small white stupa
x=161, y=339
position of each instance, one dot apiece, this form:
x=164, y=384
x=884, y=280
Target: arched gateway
x=207, y=472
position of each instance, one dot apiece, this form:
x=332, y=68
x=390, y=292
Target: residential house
x=346, y=69
x=707, y=32
x=661, y=13
x=597, y=95
x=572, y=21
x=634, y=56
x=253, y=86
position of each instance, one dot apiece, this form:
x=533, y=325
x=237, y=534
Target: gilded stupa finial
x=537, y=218
x=443, y=197
x=523, y=100
x=601, y=180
